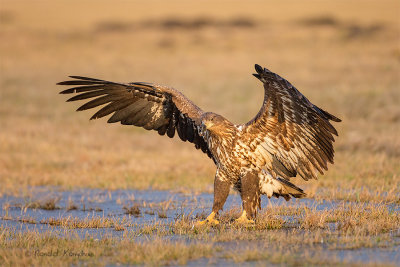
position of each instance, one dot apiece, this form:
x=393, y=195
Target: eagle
x=289, y=136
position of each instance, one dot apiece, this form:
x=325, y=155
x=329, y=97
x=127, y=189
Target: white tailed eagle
x=289, y=136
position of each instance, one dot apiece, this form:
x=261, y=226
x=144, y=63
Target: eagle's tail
x=279, y=187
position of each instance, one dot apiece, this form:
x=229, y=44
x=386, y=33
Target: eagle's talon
x=209, y=220
x=243, y=219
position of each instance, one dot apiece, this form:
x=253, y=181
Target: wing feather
x=100, y=101
x=112, y=107
x=153, y=107
x=296, y=136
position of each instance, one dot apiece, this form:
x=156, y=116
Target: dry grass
x=118, y=224
x=357, y=221
x=44, y=203
x=88, y=222
x=366, y=219
x=71, y=205
x=343, y=55
x=273, y=238
x=34, y=249
x=346, y=60
x=132, y=210
x=23, y=219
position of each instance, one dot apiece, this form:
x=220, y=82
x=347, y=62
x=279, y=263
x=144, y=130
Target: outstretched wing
x=289, y=135
x=146, y=105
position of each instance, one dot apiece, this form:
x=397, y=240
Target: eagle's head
x=213, y=122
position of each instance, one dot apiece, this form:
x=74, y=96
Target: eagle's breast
x=246, y=150
x=222, y=143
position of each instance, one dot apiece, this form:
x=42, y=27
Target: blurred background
x=343, y=55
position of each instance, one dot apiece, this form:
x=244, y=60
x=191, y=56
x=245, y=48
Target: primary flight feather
x=289, y=136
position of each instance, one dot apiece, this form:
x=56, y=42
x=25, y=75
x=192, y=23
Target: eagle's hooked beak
x=207, y=124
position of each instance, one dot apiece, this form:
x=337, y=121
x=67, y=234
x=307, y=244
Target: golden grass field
x=343, y=55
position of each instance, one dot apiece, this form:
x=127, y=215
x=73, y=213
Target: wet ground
x=135, y=209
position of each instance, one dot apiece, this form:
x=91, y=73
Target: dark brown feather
x=81, y=89
x=163, y=129
x=311, y=137
x=133, y=104
x=80, y=82
x=100, y=101
x=112, y=107
x=90, y=94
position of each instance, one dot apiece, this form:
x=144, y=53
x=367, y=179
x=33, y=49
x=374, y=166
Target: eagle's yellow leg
x=243, y=219
x=210, y=219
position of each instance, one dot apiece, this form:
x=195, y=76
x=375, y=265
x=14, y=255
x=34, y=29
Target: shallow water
x=101, y=203
x=110, y=204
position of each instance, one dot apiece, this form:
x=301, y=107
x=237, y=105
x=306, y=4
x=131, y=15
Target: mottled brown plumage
x=288, y=136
